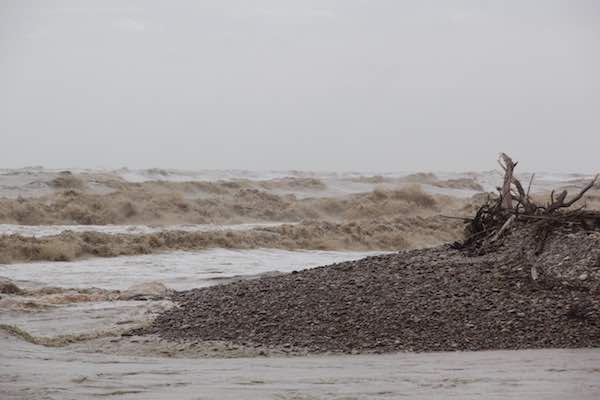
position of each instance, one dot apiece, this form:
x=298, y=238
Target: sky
x=345, y=85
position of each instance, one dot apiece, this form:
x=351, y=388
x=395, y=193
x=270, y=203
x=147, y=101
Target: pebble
x=436, y=299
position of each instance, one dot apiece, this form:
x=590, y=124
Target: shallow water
x=34, y=372
x=81, y=318
x=177, y=270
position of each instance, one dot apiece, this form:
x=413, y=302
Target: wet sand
x=35, y=372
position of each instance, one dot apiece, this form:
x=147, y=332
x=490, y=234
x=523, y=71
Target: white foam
x=49, y=230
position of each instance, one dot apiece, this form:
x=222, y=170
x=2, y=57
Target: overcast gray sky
x=304, y=84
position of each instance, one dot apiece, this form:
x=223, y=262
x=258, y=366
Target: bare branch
x=582, y=192
x=513, y=206
x=560, y=200
x=529, y=186
x=508, y=166
x=504, y=228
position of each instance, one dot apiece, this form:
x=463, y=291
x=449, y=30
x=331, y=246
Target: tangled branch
x=514, y=205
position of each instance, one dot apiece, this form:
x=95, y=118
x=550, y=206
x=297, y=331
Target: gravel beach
x=437, y=299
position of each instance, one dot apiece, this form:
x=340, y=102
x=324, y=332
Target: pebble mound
x=436, y=299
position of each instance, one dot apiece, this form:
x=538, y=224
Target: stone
x=8, y=287
x=146, y=291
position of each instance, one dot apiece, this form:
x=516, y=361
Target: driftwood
x=513, y=206
x=560, y=200
x=505, y=227
x=508, y=166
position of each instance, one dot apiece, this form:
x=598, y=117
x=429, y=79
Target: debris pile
x=514, y=210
